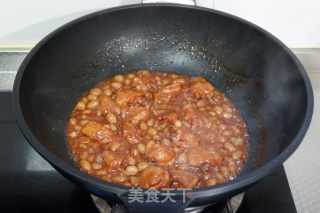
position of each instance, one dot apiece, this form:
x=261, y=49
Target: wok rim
x=239, y=182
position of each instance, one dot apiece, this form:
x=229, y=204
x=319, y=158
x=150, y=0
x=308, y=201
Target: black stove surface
x=29, y=184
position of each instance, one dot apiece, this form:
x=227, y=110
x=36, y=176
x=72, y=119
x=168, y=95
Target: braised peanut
x=157, y=129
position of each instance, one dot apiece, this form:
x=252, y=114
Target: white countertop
x=303, y=167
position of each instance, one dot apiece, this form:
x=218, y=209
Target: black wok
x=259, y=73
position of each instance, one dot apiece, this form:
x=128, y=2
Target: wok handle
x=188, y=2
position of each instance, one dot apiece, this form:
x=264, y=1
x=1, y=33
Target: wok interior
x=253, y=70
